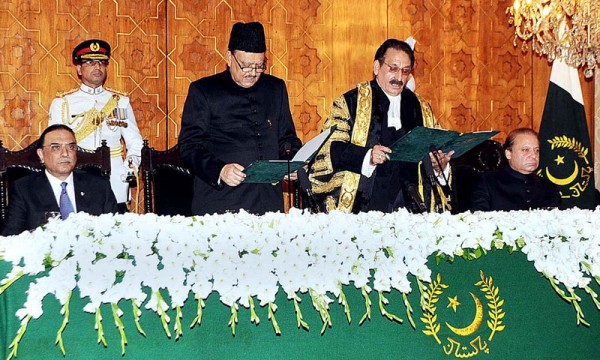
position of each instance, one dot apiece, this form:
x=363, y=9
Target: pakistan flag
x=565, y=151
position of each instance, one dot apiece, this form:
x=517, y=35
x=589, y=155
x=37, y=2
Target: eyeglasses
x=258, y=68
x=57, y=148
x=395, y=69
x=102, y=63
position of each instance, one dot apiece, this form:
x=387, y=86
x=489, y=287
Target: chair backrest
x=16, y=164
x=168, y=184
x=488, y=156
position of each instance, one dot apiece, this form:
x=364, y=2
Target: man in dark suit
x=232, y=119
x=33, y=197
x=516, y=186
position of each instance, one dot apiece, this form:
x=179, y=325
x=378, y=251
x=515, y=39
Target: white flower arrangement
x=244, y=257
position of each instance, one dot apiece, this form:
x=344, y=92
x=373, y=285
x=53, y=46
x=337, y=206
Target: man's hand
x=232, y=174
x=444, y=160
x=379, y=154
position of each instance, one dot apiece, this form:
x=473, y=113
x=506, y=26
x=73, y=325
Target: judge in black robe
x=363, y=126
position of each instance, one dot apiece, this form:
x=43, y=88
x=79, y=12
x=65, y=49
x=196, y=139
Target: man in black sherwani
x=516, y=185
x=232, y=119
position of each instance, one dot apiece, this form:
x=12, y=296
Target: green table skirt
x=537, y=323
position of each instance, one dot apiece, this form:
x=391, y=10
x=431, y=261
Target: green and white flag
x=565, y=151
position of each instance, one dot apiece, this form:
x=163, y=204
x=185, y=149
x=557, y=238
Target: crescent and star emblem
x=564, y=181
x=475, y=324
x=94, y=46
x=575, y=184
x=471, y=343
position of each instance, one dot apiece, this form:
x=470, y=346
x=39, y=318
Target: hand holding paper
x=272, y=171
x=439, y=160
x=232, y=174
x=417, y=143
x=379, y=154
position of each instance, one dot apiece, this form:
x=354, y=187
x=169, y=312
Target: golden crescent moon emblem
x=474, y=326
x=565, y=181
x=94, y=46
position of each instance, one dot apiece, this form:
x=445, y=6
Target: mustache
x=396, y=82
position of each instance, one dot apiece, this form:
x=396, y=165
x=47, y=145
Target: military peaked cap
x=91, y=50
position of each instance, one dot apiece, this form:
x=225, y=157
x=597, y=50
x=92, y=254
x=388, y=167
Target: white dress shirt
x=394, y=121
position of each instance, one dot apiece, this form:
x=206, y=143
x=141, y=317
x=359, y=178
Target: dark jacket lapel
x=43, y=192
x=83, y=195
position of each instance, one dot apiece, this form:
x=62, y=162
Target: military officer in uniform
x=96, y=113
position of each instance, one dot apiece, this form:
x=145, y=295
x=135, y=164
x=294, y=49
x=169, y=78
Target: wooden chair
x=16, y=164
x=168, y=184
x=488, y=156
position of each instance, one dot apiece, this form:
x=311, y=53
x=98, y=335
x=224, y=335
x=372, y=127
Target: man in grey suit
x=33, y=197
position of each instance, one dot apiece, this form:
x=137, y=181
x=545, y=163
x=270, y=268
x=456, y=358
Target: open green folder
x=269, y=171
x=413, y=146
x=273, y=171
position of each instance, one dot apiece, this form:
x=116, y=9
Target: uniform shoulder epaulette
x=61, y=94
x=122, y=93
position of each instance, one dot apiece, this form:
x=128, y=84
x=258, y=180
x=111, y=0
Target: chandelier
x=560, y=29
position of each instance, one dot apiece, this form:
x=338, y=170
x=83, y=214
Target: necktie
x=66, y=207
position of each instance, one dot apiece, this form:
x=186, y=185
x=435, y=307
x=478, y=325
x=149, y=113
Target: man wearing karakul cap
x=96, y=113
x=231, y=119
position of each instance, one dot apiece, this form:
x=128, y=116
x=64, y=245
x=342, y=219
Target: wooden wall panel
x=359, y=28
x=305, y=60
x=37, y=39
x=473, y=79
x=140, y=64
x=466, y=63
x=22, y=93
x=197, y=45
